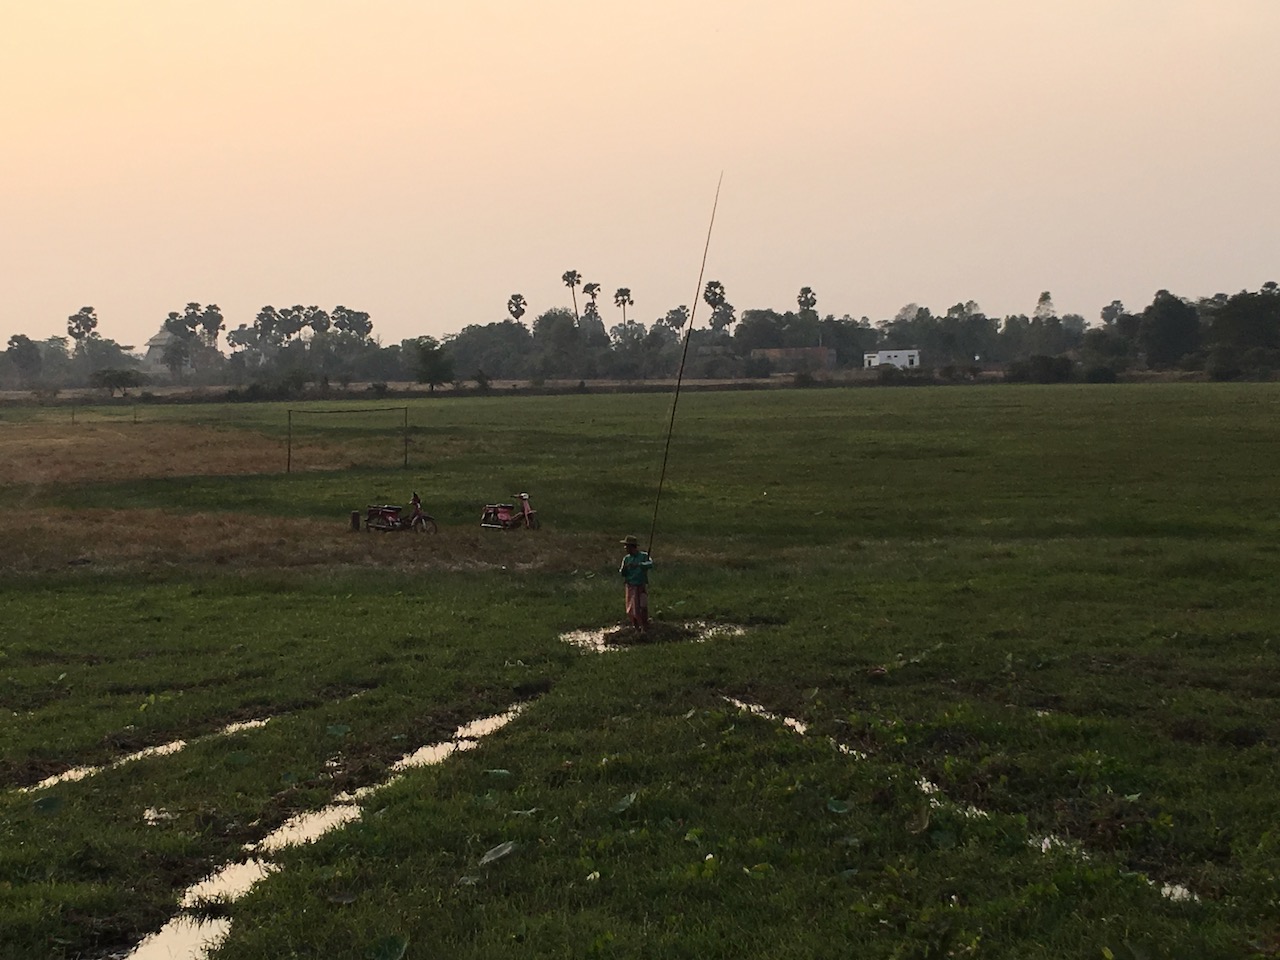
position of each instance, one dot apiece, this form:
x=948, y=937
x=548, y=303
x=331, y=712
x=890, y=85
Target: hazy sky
x=424, y=160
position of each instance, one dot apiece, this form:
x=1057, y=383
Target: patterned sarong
x=638, y=604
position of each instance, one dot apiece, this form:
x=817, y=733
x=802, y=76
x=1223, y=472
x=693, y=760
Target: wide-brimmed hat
x=631, y=541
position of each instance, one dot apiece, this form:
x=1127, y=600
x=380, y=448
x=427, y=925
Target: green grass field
x=1032, y=634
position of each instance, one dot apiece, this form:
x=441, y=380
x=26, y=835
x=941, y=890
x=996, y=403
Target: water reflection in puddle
x=164, y=749
x=1046, y=844
x=186, y=938
x=597, y=640
x=183, y=938
x=306, y=827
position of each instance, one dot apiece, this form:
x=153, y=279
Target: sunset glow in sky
x=422, y=161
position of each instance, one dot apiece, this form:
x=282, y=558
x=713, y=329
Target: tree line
x=285, y=348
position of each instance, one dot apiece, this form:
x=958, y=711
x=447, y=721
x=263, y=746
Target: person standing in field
x=635, y=576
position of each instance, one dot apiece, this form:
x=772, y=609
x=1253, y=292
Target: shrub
x=1040, y=369
x=1100, y=374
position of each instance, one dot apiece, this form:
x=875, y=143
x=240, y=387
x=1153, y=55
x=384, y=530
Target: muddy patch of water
x=935, y=798
x=613, y=639
x=190, y=938
x=164, y=749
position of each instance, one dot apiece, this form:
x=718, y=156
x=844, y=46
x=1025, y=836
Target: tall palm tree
x=807, y=299
x=573, y=279
x=622, y=298
x=515, y=306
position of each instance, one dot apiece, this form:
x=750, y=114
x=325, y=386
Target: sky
x=422, y=161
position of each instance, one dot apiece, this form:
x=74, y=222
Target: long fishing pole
x=684, y=354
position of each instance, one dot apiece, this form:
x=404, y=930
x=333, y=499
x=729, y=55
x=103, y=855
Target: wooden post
x=288, y=443
x=355, y=521
x=406, y=438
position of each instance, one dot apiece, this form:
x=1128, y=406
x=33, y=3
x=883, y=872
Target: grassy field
x=1029, y=633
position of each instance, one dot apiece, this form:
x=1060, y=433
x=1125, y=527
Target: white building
x=903, y=359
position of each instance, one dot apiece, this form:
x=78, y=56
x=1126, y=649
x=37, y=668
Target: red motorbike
x=386, y=518
x=508, y=516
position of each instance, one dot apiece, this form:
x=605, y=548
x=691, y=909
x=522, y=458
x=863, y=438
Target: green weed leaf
x=624, y=803
x=837, y=806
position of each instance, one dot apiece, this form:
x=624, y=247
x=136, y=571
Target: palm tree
x=622, y=298
x=572, y=279
x=807, y=299
x=515, y=306
x=677, y=317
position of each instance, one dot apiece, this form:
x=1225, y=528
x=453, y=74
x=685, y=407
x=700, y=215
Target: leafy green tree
x=81, y=326
x=177, y=355
x=850, y=338
x=1248, y=321
x=557, y=340
x=1169, y=331
x=435, y=366
x=354, y=323
x=572, y=279
x=759, y=330
x=111, y=380
x=26, y=357
x=1112, y=312
x=500, y=349
x=99, y=353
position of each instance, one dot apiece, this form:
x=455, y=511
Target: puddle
x=306, y=827
x=231, y=882
x=154, y=816
x=183, y=938
x=758, y=711
x=696, y=631
x=186, y=938
x=164, y=749
x=1046, y=844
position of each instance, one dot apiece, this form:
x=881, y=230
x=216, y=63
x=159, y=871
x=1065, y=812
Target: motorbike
x=386, y=518
x=508, y=516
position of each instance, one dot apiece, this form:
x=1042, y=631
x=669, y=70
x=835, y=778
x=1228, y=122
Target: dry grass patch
x=40, y=454
x=43, y=540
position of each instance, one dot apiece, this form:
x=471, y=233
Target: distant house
x=797, y=359
x=153, y=358
x=903, y=359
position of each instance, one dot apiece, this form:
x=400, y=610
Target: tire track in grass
x=186, y=937
x=164, y=749
x=1046, y=844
